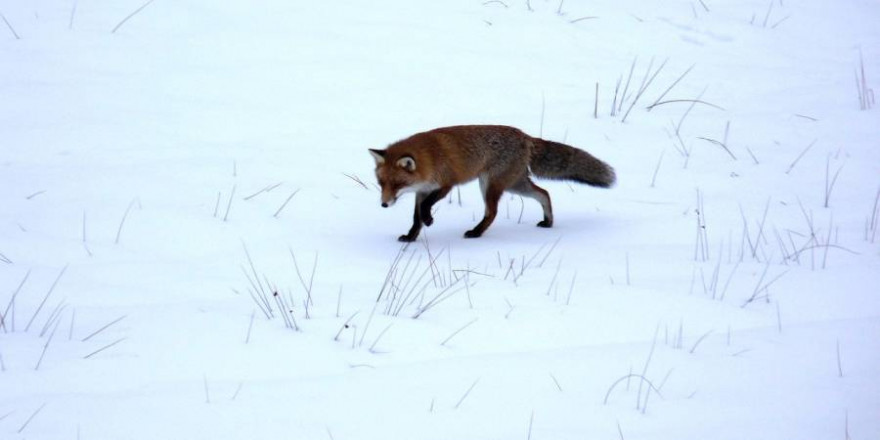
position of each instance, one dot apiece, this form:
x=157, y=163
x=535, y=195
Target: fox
x=500, y=157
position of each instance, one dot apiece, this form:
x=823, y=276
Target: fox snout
x=388, y=200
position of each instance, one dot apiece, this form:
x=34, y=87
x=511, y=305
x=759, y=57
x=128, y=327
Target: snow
x=164, y=175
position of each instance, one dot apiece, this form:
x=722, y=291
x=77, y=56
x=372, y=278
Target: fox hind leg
x=491, y=195
x=526, y=188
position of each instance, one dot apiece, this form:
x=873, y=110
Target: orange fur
x=501, y=157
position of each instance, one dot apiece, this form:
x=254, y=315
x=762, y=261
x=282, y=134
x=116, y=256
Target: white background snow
x=157, y=181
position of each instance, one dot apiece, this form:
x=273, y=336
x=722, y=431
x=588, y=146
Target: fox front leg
x=417, y=220
x=429, y=201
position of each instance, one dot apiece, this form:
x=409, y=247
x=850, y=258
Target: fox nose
x=384, y=205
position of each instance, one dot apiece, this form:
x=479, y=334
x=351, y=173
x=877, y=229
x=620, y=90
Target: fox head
x=396, y=175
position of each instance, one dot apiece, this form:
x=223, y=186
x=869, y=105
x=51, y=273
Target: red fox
x=501, y=157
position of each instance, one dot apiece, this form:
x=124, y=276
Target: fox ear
x=407, y=163
x=379, y=155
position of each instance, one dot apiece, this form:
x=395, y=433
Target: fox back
x=449, y=156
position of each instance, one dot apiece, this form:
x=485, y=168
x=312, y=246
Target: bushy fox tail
x=553, y=160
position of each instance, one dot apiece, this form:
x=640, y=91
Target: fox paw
x=406, y=238
x=545, y=224
x=427, y=220
x=473, y=233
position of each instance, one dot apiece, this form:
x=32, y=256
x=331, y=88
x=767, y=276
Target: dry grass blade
x=866, y=94
x=531, y=422
x=391, y=271
x=829, y=184
x=267, y=188
x=552, y=248
x=345, y=325
x=699, y=340
x=823, y=246
x=797, y=159
x=623, y=95
x=45, y=298
x=767, y=16
x=871, y=222
x=12, y=302
x=261, y=297
x=645, y=84
x=720, y=144
x=577, y=20
x=129, y=16
x=466, y=394
x=306, y=287
x=46, y=346
x=31, y=196
x=458, y=331
x=53, y=317
x=72, y=15
x=31, y=418
x=555, y=381
x=104, y=348
x=440, y=297
x=103, y=328
x=247, y=338
x=229, y=204
x=357, y=180
x=657, y=168
x=283, y=205
x=671, y=86
x=124, y=217
x=9, y=25
x=760, y=288
x=378, y=338
x=627, y=377
x=689, y=101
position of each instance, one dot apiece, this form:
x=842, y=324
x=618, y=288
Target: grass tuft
x=866, y=94
x=646, y=82
x=626, y=378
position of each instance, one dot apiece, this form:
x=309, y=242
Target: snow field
x=158, y=182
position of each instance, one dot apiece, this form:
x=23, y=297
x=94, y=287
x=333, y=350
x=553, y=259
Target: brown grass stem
x=45, y=298
x=129, y=16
